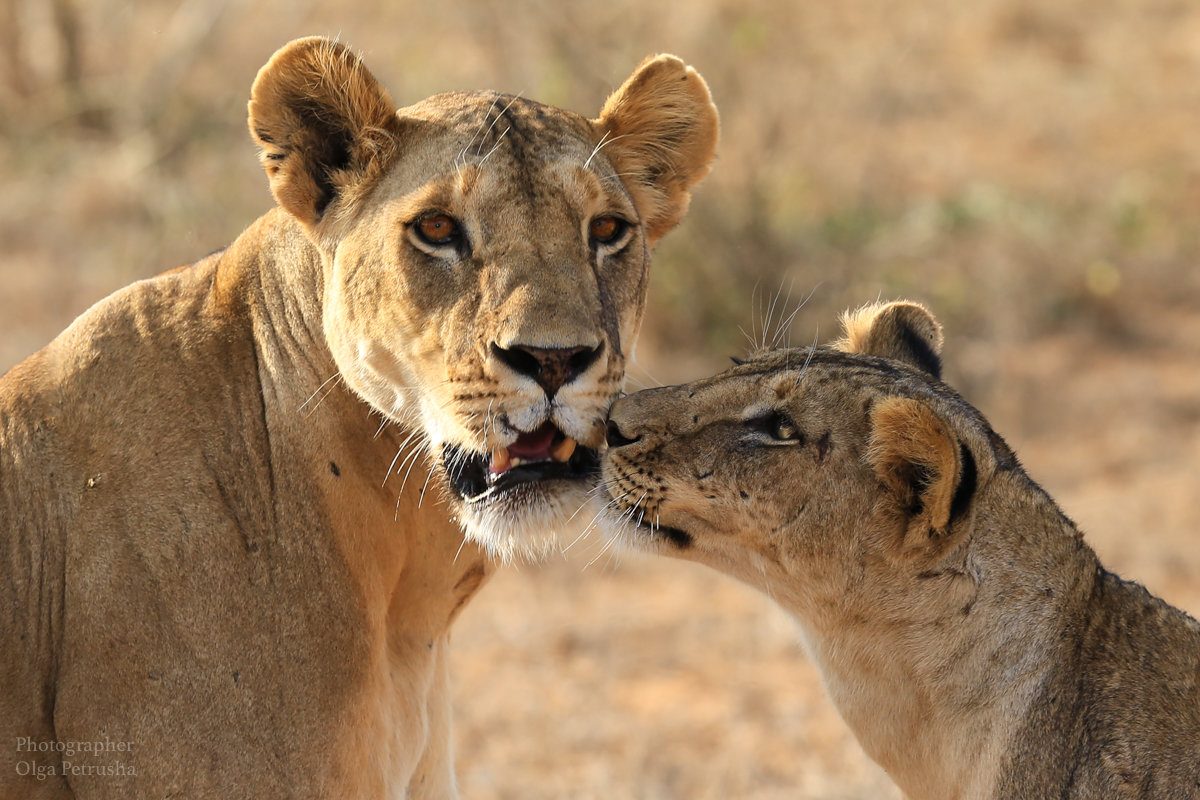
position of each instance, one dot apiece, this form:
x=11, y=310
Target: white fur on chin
x=530, y=527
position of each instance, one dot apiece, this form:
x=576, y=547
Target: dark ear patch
x=968, y=480
x=917, y=350
x=901, y=331
x=929, y=475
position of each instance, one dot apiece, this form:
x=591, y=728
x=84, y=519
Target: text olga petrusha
x=67, y=749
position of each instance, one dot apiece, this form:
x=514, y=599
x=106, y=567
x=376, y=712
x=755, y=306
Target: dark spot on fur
x=333, y=467
x=466, y=587
x=680, y=539
x=472, y=577
x=824, y=445
x=744, y=494
x=236, y=678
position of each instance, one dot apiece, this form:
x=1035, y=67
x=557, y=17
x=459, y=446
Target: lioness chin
x=217, y=543
x=963, y=628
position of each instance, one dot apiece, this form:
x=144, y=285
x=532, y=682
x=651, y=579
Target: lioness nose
x=552, y=367
x=615, y=437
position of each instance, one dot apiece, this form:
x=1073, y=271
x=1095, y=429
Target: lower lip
x=478, y=484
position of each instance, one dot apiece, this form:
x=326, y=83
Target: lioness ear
x=929, y=474
x=900, y=330
x=325, y=125
x=660, y=131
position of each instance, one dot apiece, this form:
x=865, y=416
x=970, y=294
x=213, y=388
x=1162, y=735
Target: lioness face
x=493, y=303
x=758, y=471
x=486, y=271
x=798, y=470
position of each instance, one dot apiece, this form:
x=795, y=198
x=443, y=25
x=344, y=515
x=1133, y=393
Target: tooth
x=501, y=461
x=516, y=462
x=563, y=450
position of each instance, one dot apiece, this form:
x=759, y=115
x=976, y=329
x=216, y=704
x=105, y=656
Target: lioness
x=963, y=628
x=213, y=562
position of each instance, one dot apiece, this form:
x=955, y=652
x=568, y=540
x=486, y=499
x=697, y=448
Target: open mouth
x=540, y=455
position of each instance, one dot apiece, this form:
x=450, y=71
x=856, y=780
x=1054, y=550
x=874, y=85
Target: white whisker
x=318, y=390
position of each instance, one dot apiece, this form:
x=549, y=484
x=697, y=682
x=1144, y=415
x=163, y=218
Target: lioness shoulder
x=241, y=503
x=963, y=627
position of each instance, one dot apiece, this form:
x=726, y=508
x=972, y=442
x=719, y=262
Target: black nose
x=552, y=367
x=614, y=436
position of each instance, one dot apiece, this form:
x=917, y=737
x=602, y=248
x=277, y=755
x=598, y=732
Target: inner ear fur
x=899, y=330
x=660, y=132
x=928, y=474
x=325, y=126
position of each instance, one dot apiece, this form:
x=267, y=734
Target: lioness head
x=800, y=471
x=485, y=261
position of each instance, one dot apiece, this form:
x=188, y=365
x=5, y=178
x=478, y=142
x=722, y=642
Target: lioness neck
x=333, y=442
x=936, y=680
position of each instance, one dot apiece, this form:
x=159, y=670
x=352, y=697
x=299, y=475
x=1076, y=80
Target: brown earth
x=1029, y=170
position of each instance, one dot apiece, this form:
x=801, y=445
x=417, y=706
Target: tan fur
x=229, y=536
x=963, y=628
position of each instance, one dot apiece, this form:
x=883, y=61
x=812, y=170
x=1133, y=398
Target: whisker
x=499, y=116
x=811, y=351
x=415, y=456
x=462, y=156
x=495, y=147
x=785, y=325
x=416, y=432
x=604, y=140
x=318, y=389
x=425, y=486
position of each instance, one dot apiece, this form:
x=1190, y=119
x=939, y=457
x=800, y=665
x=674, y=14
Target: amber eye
x=606, y=229
x=437, y=229
x=779, y=427
x=783, y=429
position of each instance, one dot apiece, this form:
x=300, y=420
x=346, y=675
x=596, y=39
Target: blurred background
x=1029, y=170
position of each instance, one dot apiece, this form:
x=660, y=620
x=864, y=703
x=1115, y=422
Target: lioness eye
x=606, y=229
x=437, y=229
x=783, y=429
x=779, y=427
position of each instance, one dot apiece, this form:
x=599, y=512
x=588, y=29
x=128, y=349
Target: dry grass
x=1030, y=170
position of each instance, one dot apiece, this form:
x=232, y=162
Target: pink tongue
x=535, y=445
